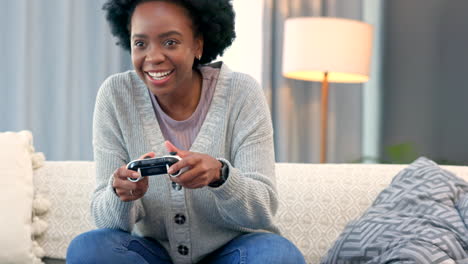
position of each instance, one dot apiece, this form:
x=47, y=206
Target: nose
x=154, y=55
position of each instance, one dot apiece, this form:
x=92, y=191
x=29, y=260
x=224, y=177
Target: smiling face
x=163, y=47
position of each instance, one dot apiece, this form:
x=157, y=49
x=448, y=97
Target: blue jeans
x=115, y=246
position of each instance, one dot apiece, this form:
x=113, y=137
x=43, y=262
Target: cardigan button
x=179, y=219
x=183, y=250
x=176, y=186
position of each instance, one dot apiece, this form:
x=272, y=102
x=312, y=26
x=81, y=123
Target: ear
x=199, y=46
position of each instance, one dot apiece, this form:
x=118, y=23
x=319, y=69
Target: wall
x=425, y=71
x=245, y=55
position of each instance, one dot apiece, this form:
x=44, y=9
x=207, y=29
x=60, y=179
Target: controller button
x=179, y=219
x=176, y=186
x=173, y=153
x=183, y=250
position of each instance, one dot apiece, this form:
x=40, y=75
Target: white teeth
x=159, y=75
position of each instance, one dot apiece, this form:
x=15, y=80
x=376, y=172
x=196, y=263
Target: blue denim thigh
x=255, y=248
x=115, y=246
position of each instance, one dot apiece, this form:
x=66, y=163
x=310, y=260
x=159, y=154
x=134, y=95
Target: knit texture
x=237, y=129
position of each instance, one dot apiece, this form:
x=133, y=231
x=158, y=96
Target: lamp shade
x=315, y=45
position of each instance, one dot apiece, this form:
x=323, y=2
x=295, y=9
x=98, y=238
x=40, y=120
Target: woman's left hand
x=203, y=169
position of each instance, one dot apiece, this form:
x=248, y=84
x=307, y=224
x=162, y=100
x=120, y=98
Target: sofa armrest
x=68, y=186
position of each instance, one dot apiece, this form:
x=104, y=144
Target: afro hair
x=212, y=19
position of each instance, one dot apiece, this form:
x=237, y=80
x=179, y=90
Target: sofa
x=45, y=204
x=316, y=201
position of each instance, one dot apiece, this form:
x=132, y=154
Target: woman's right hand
x=127, y=190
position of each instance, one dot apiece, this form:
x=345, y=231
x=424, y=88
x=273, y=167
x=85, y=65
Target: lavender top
x=183, y=133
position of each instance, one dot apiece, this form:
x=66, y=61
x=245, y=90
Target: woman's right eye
x=138, y=43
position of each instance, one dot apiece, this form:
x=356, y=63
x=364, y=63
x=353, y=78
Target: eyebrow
x=162, y=35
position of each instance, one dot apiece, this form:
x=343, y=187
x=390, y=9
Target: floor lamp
x=326, y=49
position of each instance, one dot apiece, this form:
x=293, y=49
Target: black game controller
x=154, y=166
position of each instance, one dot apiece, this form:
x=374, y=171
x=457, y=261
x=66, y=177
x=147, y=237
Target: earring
x=199, y=57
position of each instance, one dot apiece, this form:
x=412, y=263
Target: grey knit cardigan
x=236, y=130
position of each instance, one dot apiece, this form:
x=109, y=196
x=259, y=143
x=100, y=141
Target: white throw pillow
x=16, y=198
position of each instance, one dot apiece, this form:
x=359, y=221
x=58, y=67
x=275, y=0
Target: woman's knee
x=271, y=248
x=90, y=246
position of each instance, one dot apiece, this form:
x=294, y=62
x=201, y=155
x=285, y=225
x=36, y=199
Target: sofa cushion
x=415, y=219
x=16, y=200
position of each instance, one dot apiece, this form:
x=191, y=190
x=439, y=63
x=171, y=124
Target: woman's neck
x=181, y=105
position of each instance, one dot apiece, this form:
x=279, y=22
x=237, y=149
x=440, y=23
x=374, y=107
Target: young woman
x=221, y=209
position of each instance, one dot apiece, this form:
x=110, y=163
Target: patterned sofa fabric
x=419, y=218
x=316, y=201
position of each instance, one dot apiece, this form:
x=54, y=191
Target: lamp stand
x=324, y=119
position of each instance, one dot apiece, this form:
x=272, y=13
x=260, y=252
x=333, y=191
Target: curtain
x=54, y=56
x=295, y=105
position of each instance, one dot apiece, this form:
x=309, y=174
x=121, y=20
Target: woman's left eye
x=170, y=42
